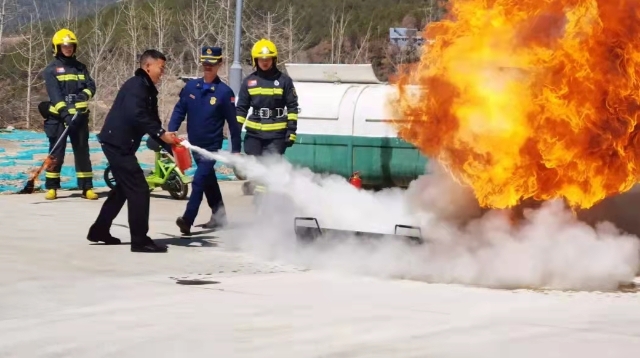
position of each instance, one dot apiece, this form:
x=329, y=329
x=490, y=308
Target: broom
x=29, y=188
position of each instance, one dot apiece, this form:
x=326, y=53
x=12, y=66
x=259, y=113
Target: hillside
x=112, y=37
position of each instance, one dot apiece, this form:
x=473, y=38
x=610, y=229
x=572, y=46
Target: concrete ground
x=61, y=296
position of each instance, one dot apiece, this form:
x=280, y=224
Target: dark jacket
x=269, y=93
x=66, y=78
x=207, y=107
x=133, y=114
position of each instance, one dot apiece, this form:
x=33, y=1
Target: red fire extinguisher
x=181, y=155
x=355, y=180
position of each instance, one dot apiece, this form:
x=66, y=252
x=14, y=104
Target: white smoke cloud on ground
x=549, y=248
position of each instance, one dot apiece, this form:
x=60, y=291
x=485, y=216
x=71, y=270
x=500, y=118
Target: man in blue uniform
x=206, y=102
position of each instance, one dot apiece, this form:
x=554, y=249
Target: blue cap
x=211, y=55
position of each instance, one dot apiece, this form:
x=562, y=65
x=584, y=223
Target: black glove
x=82, y=97
x=68, y=119
x=290, y=138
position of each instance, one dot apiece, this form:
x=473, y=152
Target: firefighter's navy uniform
x=69, y=87
x=206, y=106
x=272, y=125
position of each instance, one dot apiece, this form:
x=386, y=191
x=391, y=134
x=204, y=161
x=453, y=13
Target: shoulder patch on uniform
x=252, y=83
x=60, y=70
x=233, y=100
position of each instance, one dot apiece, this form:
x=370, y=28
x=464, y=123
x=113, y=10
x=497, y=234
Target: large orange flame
x=530, y=98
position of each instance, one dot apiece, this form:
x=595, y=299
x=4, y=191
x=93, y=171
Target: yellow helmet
x=264, y=49
x=63, y=37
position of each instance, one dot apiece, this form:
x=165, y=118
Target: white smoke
x=549, y=248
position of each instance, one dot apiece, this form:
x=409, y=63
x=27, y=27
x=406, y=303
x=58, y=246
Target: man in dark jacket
x=70, y=87
x=207, y=102
x=271, y=127
x=133, y=114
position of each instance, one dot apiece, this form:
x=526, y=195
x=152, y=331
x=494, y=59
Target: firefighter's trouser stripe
x=292, y=116
x=84, y=174
x=52, y=175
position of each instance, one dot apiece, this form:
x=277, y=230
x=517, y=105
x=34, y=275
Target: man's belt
x=269, y=112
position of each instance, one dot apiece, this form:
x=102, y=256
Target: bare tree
x=297, y=39
x=433, y=10
x=202, y=24
x=7, y=12
x=159, y=20
x=133, y=26
x=99, y=41
x=282, y=26
x=32, y=49
x=339, y=21
x=362, y=54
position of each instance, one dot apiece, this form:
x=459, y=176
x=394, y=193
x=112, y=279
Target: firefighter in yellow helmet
x=271, y=127
x=69, y=87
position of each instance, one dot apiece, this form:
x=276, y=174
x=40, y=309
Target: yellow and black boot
x=51, y=194
x=90, y=194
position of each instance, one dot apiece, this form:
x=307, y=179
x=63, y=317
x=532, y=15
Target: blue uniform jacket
x=206, y=107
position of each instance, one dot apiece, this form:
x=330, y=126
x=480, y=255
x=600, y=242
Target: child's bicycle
x=165, y=174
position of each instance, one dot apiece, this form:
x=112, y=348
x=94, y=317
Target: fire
x=47, y=164
x=530, y=99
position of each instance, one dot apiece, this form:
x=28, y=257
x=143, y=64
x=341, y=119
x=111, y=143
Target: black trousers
x=79, y=135
x=258, y=146
x=131, y=186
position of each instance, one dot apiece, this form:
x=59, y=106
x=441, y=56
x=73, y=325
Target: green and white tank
x=341, y=126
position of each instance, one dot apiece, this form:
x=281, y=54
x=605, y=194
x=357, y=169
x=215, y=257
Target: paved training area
x=61, y=296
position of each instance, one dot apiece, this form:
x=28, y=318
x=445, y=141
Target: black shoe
x=215, y=223
x=148, y=246
x=185, y=228
x=95, y=235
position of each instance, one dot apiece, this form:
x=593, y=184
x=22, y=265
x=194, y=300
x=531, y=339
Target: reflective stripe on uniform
x=70, y=77
x=58, y=106
x=84, y=174
x=81, y=104
x=70, y=110
x=241, y=119
x=51, y=175
x=292, y=116
x=267, y=127
x=88, y=92
x=292, y=137
x=265, y=91
x=260, y=189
